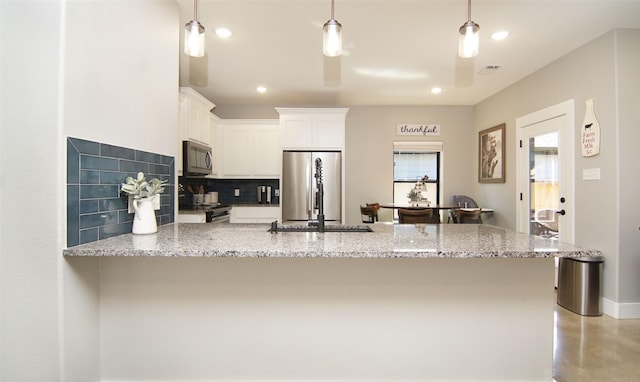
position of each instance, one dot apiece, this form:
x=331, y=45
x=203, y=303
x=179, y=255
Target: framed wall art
x=492, y=155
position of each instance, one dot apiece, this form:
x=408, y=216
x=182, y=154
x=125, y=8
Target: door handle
x=562, y=212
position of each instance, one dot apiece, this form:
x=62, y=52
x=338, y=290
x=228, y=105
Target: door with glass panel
x=545, y=172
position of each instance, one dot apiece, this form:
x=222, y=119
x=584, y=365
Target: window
x=411, y=162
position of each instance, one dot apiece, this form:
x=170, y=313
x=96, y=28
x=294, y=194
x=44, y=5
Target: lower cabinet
x=192, y=218
x=250, y=214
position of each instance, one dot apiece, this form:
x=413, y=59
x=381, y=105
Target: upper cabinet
x=312, y=128
x=214, y=143
x=197, y=123
x=195, y=114
x=249, y=148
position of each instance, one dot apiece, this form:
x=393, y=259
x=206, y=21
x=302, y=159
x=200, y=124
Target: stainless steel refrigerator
x=298, y=188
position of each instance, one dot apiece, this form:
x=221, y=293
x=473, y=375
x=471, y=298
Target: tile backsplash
x=95, y=207
x=248, y=188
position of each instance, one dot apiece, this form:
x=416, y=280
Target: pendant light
x=194, y=35
x=332, y=41
x=469, y=37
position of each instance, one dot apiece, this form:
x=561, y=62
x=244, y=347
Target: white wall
x=31, y=196
x=76, y=71
x=606, y=69
x=627, y=64
x=370, y=133
x=117, y=90
x=322, y=319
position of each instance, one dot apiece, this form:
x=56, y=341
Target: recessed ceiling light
x=436, y=90
x=223, y=32
x=500, y=35
x=261, y=89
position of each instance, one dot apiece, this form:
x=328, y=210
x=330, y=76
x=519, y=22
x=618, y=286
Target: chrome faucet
x=319, y=195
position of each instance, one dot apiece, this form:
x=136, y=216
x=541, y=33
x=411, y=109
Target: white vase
x=144, y=221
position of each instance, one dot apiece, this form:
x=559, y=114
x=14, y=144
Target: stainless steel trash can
x=579, y=282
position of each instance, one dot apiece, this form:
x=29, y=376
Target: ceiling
x=394, y=51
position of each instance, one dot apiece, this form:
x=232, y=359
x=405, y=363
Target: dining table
x=435, y=219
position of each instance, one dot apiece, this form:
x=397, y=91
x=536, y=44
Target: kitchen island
x=403, y=303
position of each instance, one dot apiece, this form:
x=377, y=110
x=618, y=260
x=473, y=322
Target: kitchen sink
x=314, y=228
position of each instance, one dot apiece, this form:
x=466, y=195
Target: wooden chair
x=463, y=201
x=411, y=216
x=468, y=216
x=369, y=212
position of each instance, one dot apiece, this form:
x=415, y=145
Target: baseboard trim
x=625, y=310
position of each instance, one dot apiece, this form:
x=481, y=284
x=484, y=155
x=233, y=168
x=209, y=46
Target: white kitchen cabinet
x=252, y=214
x=196, y=122
x=195, y=113
x=267, y=154
x=214, y=121
x=192, y=218
x=312, y=128
x=249, y=149
x=236, y=148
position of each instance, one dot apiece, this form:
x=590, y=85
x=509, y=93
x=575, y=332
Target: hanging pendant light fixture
x=469, y=40
x=332, y=41
x=194, y=35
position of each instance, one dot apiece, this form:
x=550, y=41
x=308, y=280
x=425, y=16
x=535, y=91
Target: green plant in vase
x=143, y=192
x=141, y=188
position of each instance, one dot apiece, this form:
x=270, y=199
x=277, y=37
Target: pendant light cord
x=469, y=11
x=195, y=9
x=332, y=9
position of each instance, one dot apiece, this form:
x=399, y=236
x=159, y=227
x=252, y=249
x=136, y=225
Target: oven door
x=217, y=219
x=219, y=214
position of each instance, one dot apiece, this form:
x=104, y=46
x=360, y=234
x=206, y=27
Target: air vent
x=489, y=69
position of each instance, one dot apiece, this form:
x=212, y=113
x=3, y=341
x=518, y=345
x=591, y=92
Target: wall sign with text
x=590, y=131
x=406, y=129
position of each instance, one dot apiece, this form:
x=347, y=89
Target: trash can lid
x=589, y=259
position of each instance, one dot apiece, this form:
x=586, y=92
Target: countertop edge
x=179, y=240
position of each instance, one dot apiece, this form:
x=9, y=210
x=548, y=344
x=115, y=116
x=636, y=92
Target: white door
x=546, y=172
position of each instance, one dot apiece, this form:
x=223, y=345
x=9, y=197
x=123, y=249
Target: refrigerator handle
x=312, y=204
x=310, y=199
x=309, y=203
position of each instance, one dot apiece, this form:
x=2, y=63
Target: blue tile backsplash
x=226, y=188
x=95, y=208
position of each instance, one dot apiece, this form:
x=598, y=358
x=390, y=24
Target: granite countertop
x=387, y=241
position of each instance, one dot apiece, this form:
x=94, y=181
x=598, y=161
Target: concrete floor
x=595, y=348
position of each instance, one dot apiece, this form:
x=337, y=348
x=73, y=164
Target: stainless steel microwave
x=197, y=159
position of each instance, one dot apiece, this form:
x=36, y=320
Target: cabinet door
x=266, y=151
x=241, y=214
x=237, y=155
x=204, y=132
x=328, y=133
x=193, y=131
x=192, y=218
x=296, y=133
x=214, y=144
